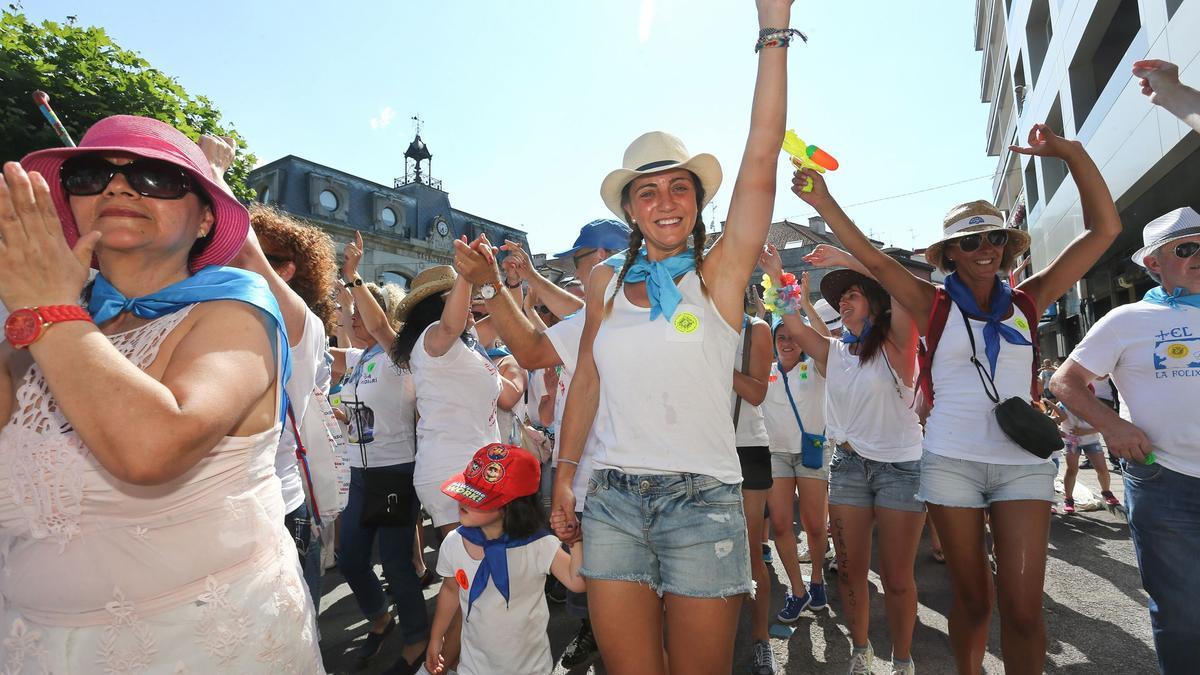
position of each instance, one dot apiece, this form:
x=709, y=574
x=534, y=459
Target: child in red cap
x=494, y=568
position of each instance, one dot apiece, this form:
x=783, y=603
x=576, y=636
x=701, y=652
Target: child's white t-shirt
x=499, y=639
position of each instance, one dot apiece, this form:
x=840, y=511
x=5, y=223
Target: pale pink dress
x=100, y=576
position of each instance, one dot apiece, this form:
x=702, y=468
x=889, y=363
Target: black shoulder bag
x=1024, y=425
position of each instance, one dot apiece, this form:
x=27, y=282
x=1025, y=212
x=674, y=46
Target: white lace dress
x=100, y=576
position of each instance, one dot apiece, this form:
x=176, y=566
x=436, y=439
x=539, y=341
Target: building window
x=1031, y=188
x=1110, y=31
x=1172, y=7
x=1054, y=170
x=1038, y=33
x=329, y=200
x=1019, y=88
x=387, y=216
x=264, y=194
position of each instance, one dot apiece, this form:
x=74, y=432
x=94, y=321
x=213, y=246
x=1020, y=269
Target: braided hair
x=699, y=239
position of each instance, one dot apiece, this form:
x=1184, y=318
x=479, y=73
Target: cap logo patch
x=473, y=468
x=497, y=452
x=977, y=220
x=494, y=472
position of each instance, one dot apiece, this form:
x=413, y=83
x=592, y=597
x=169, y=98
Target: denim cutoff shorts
x=855, y=480
x=683, y=534
x=1083, y=449
x=947, y=481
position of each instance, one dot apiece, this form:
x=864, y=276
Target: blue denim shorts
x=1083, y=449
x=947, y=481
x=683, y=534
x=855, y=480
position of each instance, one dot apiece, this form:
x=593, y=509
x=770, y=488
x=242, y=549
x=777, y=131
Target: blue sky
x=527, y=105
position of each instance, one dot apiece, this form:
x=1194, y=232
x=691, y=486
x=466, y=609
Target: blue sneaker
x=793, y=606
x=817, y=594
x=766, y=550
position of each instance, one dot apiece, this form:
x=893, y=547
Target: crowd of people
x=634, y=435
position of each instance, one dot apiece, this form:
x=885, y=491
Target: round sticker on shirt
x=686, y=323
x=804, y=371
x=1022, y=323
x=461, y=577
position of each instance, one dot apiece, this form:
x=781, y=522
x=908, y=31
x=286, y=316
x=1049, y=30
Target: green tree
x=88, y=78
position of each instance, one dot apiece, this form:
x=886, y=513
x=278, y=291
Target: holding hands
x=476, y=261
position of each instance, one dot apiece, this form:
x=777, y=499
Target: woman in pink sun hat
x=140, y=530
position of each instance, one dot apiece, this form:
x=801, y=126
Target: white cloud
x=385, y=117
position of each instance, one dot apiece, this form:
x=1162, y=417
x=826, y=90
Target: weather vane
x=417, y=123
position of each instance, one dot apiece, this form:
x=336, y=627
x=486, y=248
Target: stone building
x=406, y=227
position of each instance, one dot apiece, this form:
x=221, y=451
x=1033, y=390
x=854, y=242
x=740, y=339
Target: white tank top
x=961, y=424
x=808, y=390
x=868, y=406
x=751, y=430
x=456, y=407
x=664, y=388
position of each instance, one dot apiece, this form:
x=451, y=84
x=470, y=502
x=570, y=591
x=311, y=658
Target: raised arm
x=731, y=260
x=812, y=342
x=914, y=293
x=1101, y=222
x=529, y=346
x=583, y=399
x=1160, y=82
x=450, y=327
x=561, y=303
x=901, y=328
x=374, y=317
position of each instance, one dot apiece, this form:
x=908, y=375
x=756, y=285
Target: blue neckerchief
x=498, y=353
x=211, y=283
x=850, y=338
x=993, y=329
x=1174, y=300
x=659, y=277
x=494, y=565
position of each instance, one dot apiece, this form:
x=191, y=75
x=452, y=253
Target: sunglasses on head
x=971, y=242
x=1187, y=249
x=87, y=175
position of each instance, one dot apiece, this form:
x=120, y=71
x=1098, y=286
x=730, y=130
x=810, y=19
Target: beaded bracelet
x=777, y=37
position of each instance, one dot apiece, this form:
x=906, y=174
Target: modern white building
x=1068, y=63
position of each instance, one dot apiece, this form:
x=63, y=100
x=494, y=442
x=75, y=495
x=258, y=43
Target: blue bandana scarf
x=659, y=277
x=1159, y=296
x=993, y=330
x=494, y=565
x=498, y=353
x=211, y=283
x=850, y=338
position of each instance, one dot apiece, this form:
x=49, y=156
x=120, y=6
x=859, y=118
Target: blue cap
x=606, y=233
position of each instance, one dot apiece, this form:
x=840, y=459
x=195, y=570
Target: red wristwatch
x=25, y=326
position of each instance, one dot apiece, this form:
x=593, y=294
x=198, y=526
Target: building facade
x=1069, y=63
x=406, y=227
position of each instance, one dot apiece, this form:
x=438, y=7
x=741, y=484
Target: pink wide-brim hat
x=149, y=138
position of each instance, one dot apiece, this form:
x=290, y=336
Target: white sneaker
x=906, y=668
x=861, y=662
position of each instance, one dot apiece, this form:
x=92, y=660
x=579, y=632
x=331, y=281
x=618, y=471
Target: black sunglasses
x=580, y=256
x=1187, y=249
x=87, y=175
x=971, y=242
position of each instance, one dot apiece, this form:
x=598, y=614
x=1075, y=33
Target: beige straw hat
x=653, y=152
x=437, y=279
x=970, y=218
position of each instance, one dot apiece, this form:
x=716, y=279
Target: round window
x=329, y=200
x=388, y=216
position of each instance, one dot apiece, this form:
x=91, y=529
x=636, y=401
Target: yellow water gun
x=805, y=156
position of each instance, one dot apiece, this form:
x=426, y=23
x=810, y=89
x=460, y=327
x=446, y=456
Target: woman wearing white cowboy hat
x=663, y=519
x=970, y=469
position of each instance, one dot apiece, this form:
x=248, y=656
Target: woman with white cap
x=664, y=522
x=970, y=469
x=141, y=522
x=876, y=440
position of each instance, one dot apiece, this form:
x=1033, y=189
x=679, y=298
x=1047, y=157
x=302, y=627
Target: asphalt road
x=1095, y=609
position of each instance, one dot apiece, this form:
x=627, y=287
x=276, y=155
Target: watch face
x=487, y=292
x=442, y=228
x=23, y=327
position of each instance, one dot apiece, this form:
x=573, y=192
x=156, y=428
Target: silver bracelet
x=568, y=461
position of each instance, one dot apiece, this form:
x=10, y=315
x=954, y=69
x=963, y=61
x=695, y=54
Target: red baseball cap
x=497, y=475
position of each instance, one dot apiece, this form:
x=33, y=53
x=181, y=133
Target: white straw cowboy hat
x=971, y=218
x=1165, y=229
x=653, y=152
x=437, y=279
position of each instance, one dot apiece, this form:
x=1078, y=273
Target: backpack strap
x=938, y=314
x=747, y=330
x=1024, y=301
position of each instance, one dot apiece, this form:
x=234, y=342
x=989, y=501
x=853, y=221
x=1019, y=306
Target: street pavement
x=1096, y=618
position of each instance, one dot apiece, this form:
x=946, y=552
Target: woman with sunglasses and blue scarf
x=971, y=472
x=665, y=548
x=876, y=439
x=140, y=526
